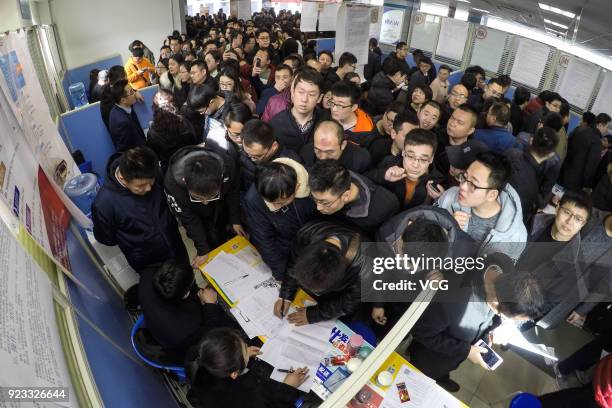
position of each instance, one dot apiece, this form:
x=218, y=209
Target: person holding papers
x=328, y=265
x=222, y=374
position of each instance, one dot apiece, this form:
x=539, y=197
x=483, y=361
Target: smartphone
x=257, y=62
x=491, y=358
x=228, y=47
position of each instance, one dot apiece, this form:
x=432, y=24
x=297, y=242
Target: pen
x=282, y=370
x=235, y=279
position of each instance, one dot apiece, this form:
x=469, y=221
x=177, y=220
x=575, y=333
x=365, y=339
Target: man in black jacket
x=374, y=64
x=328, y=265
x=130, y=211
x=385, y=86
x=583, y=154
x=346, y=63
x=277, y=205
x=400, y=54
x=460, y=126
x=123, y=124
x=393, y=143
x=294, y=126
x=203, y=190
x=354, y=198
x=421, y=76
x=329, y=143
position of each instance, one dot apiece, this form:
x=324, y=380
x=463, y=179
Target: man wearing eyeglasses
x=227, y=135
x=553, y=103
x=457, y=96
x=123, y=124
x=358, y=125
x=496, y=135
x=203, y=190
x=493, y=89
x=487, y=207
x=407, y=175
x=354, y=198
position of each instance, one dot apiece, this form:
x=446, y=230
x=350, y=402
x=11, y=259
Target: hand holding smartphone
x=491, y=358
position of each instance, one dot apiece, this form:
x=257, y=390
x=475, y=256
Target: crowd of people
x=256, y=133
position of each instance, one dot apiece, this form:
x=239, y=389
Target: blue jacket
x=497, y=138
x=273, y=232
x=142, y=226
x=125, y=129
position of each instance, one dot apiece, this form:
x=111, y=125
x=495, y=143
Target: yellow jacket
x=134, y=78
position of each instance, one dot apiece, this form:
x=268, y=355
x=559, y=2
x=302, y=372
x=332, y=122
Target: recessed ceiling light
x=481, y=10
x=555, y=23
x=556, y=10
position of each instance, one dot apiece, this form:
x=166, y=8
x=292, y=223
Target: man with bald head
x=329, y=142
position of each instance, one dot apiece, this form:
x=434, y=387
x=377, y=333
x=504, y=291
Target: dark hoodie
x=381, y=94
x=205, y=223
x=142, y=226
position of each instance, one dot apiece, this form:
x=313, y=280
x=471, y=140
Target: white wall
x=90, y=30
x=10, y=16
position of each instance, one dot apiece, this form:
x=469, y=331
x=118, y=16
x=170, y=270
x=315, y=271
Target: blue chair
x=525, y=400
x=177, y=370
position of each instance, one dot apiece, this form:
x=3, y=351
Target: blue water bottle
x=77, y=94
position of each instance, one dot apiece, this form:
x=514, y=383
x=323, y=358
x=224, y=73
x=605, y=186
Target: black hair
x=401, y=45
x=200, y=64
x=327, y=53
x=418, y=237
x=220, y=353
x=565, y=108
x=267, y=51
x=311, y=76
x=116, y=73
x=297, y=61
x=405, y=117
x=501, y=111
x=215, y=54
x=319, y=266
x=553, y=96
x=137, y=52
x=350, y=75
x=426, y=89
x=495, y=81
x=553, y=120
x=258, y=131
x=499, y=167
x=135, y=44
x=544, y=141
x=372, y=43
x=347, y=58
x=521, y=95
x=602, y=118
x=464, y=107
x=329, y=175
x=284, y=67
x=468, y=80
x=200, y=96
x=475, y=70
x=203, y=174
x=504, y=80
x=176, y=37
x=446, y=67
x=339, y=130
x=275, y=181
x=396, y=107
x=346, y=89
x=426, y=60
x=520, y=294
x=118, y=90
x=417, y=137
x=138, y=163
x=173, y=279
x=178, y=58
x=435, y=105
x=237, y=112
x=579, y=198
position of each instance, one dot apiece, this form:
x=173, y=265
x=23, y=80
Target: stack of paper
x=508, y=333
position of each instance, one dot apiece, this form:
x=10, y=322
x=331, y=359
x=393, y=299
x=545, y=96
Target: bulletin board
x=424, y=32
x=488, y=48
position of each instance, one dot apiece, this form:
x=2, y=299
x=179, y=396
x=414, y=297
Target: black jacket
x=374, y=205
x=381, y=94
x=287, y=131
x=373, y=66
x=402, y=61
x=177, y=325
x=248, y=166
x=196, y=120
x=166, y=143
x=602, y=194
x=142, y=226
x=343, y=299
x=205, y=223
x=290, y=46
x=583, y=153
x=417, y=78
x=272, y=232
x=329, y=79
x=398, y=188
x=125, y=129
x=353, y=157
x=525, y=179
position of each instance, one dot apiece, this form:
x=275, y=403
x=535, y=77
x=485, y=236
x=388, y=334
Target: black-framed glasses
x=458, y=95
x=471, y=186
x=325, y=204
x=572, y=216
x=417, y=160
x=333, y=104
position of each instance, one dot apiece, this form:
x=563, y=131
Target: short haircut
x=215, y=54
x=469, y=109
x=588, y=118
x=177, y=57
x=501, y=111
x=396, y=107
x=176, y=38
x=602, y=119
x=284, y=67
x=275, y=181
x=521, y=95
x=319, y=266
x=425, y=60
x=420, y=234
x=203, y=174
x=258, y=131
x=499, y=167
x=476, y=70
x=553, y=120
x=266, y=51
x=565, y=108
x=337, y=127
x=433, y=104
x=138, y=163
x=309, y=75
x=200, y=96
x=346, y=59
x=400, y=45
x=426, y=89
x=237, y=112
x=329, y=175
x=392, y=66
x=405, y=117
x=118, y=90
x=117, y=72
x=446, y=67
x=262, y=31
x=554, y=97
x=579, y=198
x=469, y=81
x=200, y=64
x=504, y=80
x=172, y=280
x=137, y=52
x=297, y=61
x=544, y=141
x=329, y=53
x=495, y=81
x=346, y=89
x=520, y=294
x=419, y=137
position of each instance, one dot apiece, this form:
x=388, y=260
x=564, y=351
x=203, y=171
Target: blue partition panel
x=81, y=74
x=326, y=44
x=573, y=122
x=455, y=78
x=510, y=93
x=121, y=381
x=145, y=110
x=410, y=60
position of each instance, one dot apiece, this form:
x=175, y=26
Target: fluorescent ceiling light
x=555, y=23
x=555, y=31
x=463, y=1
x=434, y=8
x=557, y=10
x=481, y=10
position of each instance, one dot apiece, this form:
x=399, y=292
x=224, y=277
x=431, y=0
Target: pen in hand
x=283, y=370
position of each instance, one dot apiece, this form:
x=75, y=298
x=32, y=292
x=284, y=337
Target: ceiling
x=594, y=29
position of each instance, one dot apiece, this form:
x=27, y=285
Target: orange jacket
x=135, y=79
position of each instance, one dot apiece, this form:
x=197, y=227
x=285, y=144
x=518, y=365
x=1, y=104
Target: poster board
x=353, y=32
x=452, y=38
x=424, y=31
x=603, y=101
x=488, y=48
x=578, y=82
x=391, y=28
x=328, y=18
x=529, y=62
x=308, y=19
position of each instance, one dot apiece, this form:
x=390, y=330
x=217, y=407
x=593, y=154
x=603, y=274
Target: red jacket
x=602, y=382
x=276, y=104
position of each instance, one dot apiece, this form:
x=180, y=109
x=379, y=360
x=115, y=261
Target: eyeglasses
x=494, y=93
x=576, y=218
x=458, y=95
x=418, y=161
x=471, y=186
x=325, y=204
x=333, y=104
x=233, y=135
x=204, y=201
